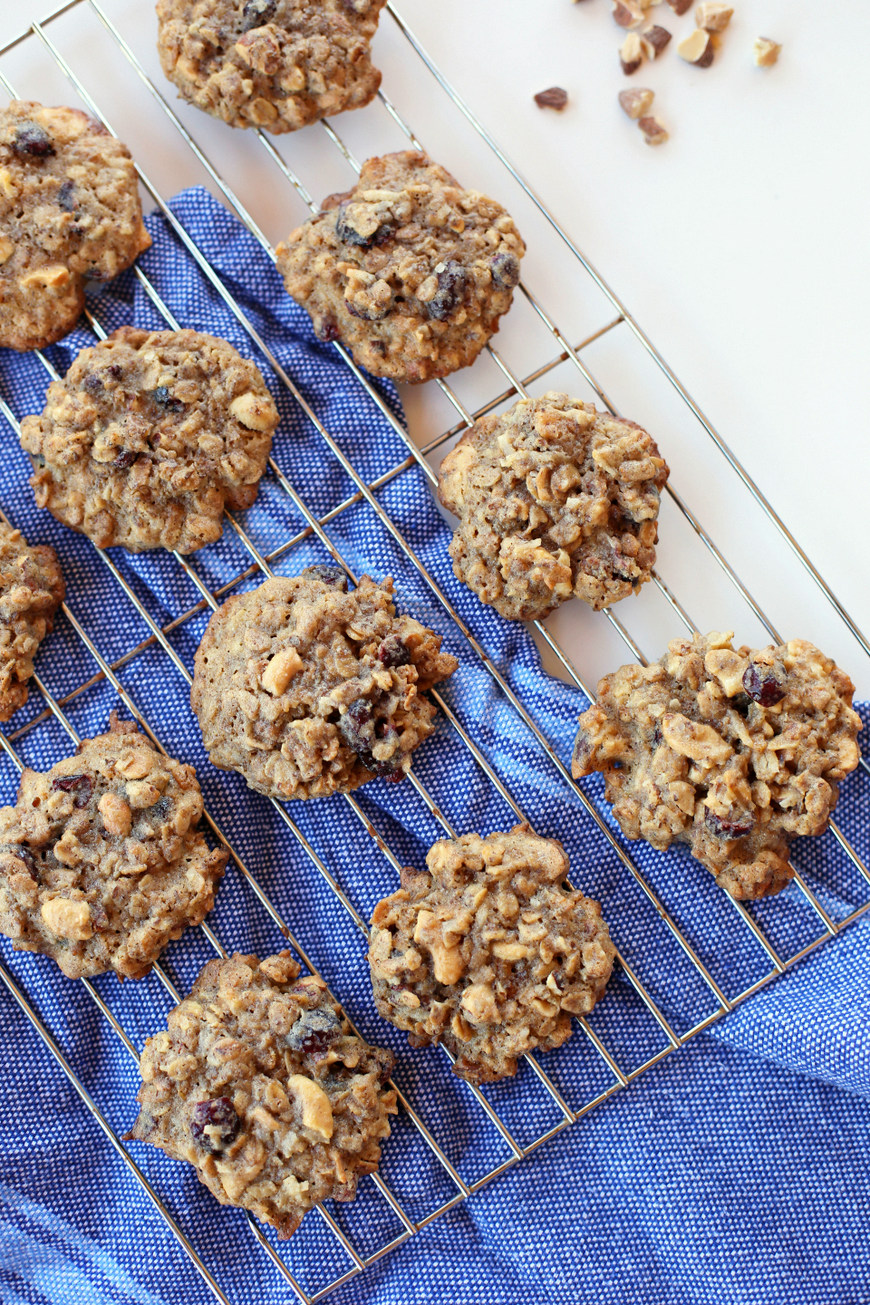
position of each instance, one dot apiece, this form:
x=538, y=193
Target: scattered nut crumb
x=680, y=6
x=636, y=102
x=555, y=97
x=631, y=54
x=765, y=51
x=697, y=48
x=653, y=129
x=626, y=13
x=654, y=40
x=713, y=17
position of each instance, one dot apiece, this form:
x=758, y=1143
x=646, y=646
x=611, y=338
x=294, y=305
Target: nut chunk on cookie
x=308, y=689
x=733, y=751
x=101, y=860
x=408, y=270
x=277, y=64
x=149, y=436
x=489, y=952
x=259, y=1083
x=554, y=500
x=31, y=590
x=69, y=210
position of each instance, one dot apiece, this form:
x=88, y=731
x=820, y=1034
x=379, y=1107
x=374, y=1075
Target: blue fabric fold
x=733, y=1170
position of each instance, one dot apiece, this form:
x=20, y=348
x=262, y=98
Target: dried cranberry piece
x=361, y=730
x=32, y=141
x=327, y=330
x=505, y=270
x=81, y=786
x=162, y=397
x=330, y=575
x=582, y=752
x=257, y=13
x=376, y=314
x=23, y=854
x=115, y=370
x=218, y=1114
x=65, y=197
x=92, y=384
x=125, y=459
x=763, y=684
x=313, y=1032
x=452, y=283
x=348, y=234
x=727, y=828
x=394, y=652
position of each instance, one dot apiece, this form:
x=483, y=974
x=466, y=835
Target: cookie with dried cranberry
x=69, y=210
x=488, y=951
x=260, y=1084
x=149, y=436
x=101, y=858
x=306, y=687
x=732, y=751
x=276, y=64
x=31, y=590
x=408, y=270
x=555, y=500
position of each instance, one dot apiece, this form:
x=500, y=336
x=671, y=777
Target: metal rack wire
x=261, y=564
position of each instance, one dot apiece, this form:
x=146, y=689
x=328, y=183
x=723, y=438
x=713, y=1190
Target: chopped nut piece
x=555, y=97
x=712, y=16
x=313, y=1103
x=631, y=54
x=765, y=51
x=116, y=814
x=654, y=41
x=654, y=132
x=254, y=411
x=280, y=671
x=67, y=919
x=697, y=48
x=627, y=13
x=636, y=102
x=680, y=6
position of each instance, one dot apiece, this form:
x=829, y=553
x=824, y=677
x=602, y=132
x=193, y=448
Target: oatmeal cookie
x=554, y=500
x=69, y=210
x=308, y=689
x=735, y=752
x=408, y=270
x=276, y=64
x=148, y=437
x=101, y=861
x=31, y=591
x=489, y=952
x=259, y=1083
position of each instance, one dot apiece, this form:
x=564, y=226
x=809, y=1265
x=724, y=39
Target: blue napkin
x=732, y=1171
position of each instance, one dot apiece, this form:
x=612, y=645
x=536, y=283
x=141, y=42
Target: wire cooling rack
x=567, y=365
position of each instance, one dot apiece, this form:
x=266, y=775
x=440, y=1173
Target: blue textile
x=731, y=1171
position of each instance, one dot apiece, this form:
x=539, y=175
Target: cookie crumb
x=554, y=97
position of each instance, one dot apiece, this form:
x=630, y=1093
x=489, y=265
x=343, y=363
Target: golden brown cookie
x=31, y=590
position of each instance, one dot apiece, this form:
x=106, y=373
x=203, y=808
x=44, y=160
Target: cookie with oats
x=69, y=211
x=276, y=64
x=408, y=270
x=101, y=859
x=31, y=590
x=149, y=436
x=307, y=688
x=555, y=500
x=734, y=751
x=260, y=1084
x=488, y=951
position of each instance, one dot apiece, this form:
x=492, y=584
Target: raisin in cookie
x=149, y=436
x=69, y=209
x=277, y=64
x=259, y=1083
x=554, y=500
x=489, y=951
x=101, y=861
x=308, y=689
x=31, y=590
x=408, y=270
x=735, y=752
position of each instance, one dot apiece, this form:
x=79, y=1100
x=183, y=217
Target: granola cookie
x=489, y=952
x=69, y=210
x=554, y=500
x=308, y=689
x=735, y=752
x=260, y=1084
x=31, y=590
x=148, y=437
x=408, y=270
x=101, y=861
x=276, y=64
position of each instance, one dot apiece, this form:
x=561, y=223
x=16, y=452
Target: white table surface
x=739, y=246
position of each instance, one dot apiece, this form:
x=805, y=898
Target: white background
x=739, y=246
